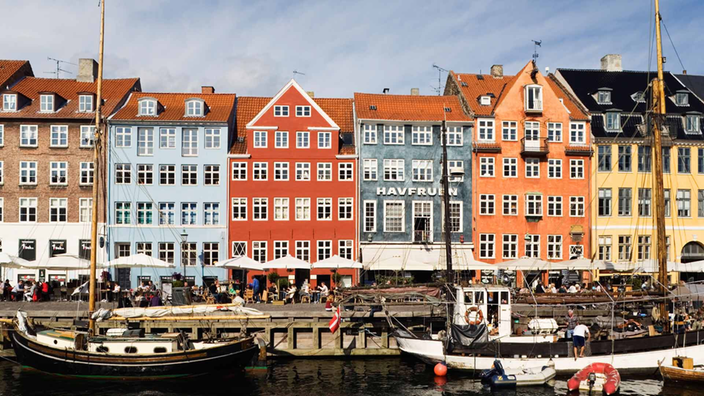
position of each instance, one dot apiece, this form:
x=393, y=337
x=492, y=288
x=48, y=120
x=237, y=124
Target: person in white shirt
x=572, y=289
x=578, y=339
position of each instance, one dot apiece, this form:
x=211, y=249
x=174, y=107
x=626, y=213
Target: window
x=260, y=170
x=700, y=161
x=344, y=208
x=9, y=102
x=369, y=216
x=324, y=250
x=211, y=253
x=87, y=136
x=302, y=111
x=510, y=167
x=147, y=107
x=58, y=173
x=554, y=206
x=167, y=213
x=485, y=100
x=58, y=208
x=143, y=248
x=303, y=250
x=2, y=173
x=324, y=140
x=280, y=111
x=603, y=97
x=344, y=248
x=189, y=175
x=604, y=158
x=683, y=160
x=280, y=170
x=624, y=158
x=167, y=252
x=534, y=98
x=422, y=135
x=28, y=135
x=665, y=160
x=454, y=136
x=46, y=103
x=534, y=205
x=667, y=202
x=533, y=246
x=613, y=121
x=212, y=138
x=455, y=216
x=692, y=124
x=260, y=208
x=302, y=171
x=604, y=202
x=302, y=209
x=555, y=168
x=510, y=203
x=2, y=135
x=302, y=139
x=145, y=213
x=532, y=131
x=189, y=213
x=123, y=212
x=145, y=174
x=2, y=215
x=532, y=168
x=189, y=142
x=578, y=134
x=324, y=208
x=145, y=141
x=684, y=203
x=644, y=158
x=682, y=99
x=344, y=171
x=239, y=171
x=369, y=134
x=280, y=249
x=625, y=199
x=577, y=169
x=28, y=172
x=123, y=137
x=486, y=204
x=423, y=170
x=324, y=171
x=393, y=169
x=370, y=168
x=211, y=213
x=194, y=108
x=576, y=206
x=486, y=246
x=393, y=134
x=85, y=103
x=280, y=208
x=394, y=213
x=643, y=247
x=281, y=139
x=486, y=130
x=239, y=249
x=486, y=166
x=239, y=209
x=86, y=173
x=28, y=210
x=644, y=202
x=510, y=246
x=624, y=247
x=700, y=203
x=167, y=175
x=212, y=175
x=509, y=130
x=189, y=253
x=554, y=247
x=456, y=171
x=555, y=132
x=604, y=252
x=59, y=136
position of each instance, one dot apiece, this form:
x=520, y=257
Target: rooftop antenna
x=297, y=72
x=58, y=71
x=440, y=70
x=536, y=44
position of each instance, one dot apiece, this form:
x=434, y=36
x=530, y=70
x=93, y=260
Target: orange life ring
x=478, y=319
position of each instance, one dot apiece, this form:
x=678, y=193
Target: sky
x=252, y=47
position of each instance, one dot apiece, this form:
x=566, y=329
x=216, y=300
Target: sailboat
x=122, y=353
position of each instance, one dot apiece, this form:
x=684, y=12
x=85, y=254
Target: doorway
x=123, y=278
x=301, y=276
x=422, y=221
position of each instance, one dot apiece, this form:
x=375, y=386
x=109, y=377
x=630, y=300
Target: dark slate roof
x=630, y=126
x=694, y=83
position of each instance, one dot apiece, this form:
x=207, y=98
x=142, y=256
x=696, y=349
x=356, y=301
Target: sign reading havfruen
x=420, y=191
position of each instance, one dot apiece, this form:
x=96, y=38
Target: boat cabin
x=489, y=304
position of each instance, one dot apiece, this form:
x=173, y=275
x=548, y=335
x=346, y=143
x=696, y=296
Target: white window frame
x=403, y=215
x=345, y=171
x=324, y=171
x=167, y=213
x=486, y=131
x=537, y=101
x=213, y=138
x=324, y=140
x=422, y=170
x=510, y=168
x=554, y=165
x=260, y=169
x=509, y=131
x=191, y=170
x=578, y=133
x=29, y=135
x=303, y=250
x=577, y=169
x=28, y=167
x=46, y=103
x=123, y=213
x=303, y=170
x=554, y=247
x=167, y=170
x=510, y=241
x=555, y=202
x=143, y=173
x=302, y=208
x=86, y=172
x=280, y=249
x=58, y=204
x=123, y=172
x=534, y=165
x=259, y=251
x=616, y=122
x=487, y=246
x=454, y=136
x=326, y=205
x=260, y=209
x=260, y=139
x=577, y=205
x=239, y=169
x=394, y=134
x=323, y=247
x=487, y=204
x=532, y=243
x=281, y=209
x=241, y=204
x=9, y=102
x=85, y=103
x=61, y=132
x=396, y=168
x=190, y=209
x=147, y=107
x=345, y=209
x=487, y=167
x=123, y=137
x=422, y=135
x=370, y=170
x=194, y=108
x=369, y=220
x=281, y=171
x=537, y=200
x=2, y=135
x=189, y=142
x=302, y=139
x=29, y=204
x=281, y=139
x=370, y=135
x=87, y=136
x=58, y=167
x=280, y=111
x=303, y=111
x=554, y=132
x=211, y=175
x=238, y=249
x=506, y=203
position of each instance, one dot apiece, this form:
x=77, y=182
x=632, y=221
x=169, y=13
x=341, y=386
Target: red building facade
x=293, y=182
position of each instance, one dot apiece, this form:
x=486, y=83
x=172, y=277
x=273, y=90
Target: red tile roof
x=114, y=91
x=408, y=107
x=173, y=107
x=473, y=86
x=8, y=68
x=340, y=110
x=577, y=112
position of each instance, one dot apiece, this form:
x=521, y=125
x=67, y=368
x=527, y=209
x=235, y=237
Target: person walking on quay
x=255, y=288
x=45, y=291
x=18, y=291
x=578, y=340
x=7, y=291
x=571, y=321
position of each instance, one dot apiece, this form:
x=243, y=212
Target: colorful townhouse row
x=554, y=166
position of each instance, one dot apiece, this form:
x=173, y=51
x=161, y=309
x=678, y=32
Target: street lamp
x=184, y=239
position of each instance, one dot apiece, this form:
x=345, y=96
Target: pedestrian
x=581, y=333
x=7, y=291
x=571, y=320
x=45, y=291
x=18, y=291
x=255, y=288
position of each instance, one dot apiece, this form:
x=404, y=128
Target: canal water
x=317, y=377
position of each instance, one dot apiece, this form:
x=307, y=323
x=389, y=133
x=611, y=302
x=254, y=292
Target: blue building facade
x=167, y=175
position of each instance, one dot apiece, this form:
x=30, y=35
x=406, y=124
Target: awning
x=287, y=262
x=337, y=262
x=242, y=262
x=137, y=260
x=413, y=257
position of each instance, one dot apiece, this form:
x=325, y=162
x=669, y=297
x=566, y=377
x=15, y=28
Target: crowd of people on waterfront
x=26, y=291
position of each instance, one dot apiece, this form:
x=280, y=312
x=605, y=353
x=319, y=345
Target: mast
x=658, y=184
x=96, y=163
x=446, y=206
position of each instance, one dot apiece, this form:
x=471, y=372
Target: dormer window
x=9, y=102
x=692, y=124
x=613, y=121
x=534, y=98
x=638, y=97
x=85, y=103
x=46, y=102
x=485, y=100
x=147, y=107
x=603, y=96
x=682, y=98
x=194, y=108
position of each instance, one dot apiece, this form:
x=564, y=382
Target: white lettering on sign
x=421, y=191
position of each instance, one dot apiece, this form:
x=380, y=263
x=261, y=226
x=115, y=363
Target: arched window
x=692, y=251
x=194, y=108
x=147, y=107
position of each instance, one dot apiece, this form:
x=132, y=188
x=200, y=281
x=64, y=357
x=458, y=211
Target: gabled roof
x=577, y=112
x=114, y=91
x=11, y=70
x=247, y=108
x=694, y=83
x=474, y=86
x=408, y=107
x=219, y=107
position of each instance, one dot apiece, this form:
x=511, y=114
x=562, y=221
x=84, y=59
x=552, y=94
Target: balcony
x=578, y=150
x=421, y=236
x=486, y=146
x=535, y=147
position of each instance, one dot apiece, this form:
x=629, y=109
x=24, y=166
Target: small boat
x=682, y=371
x=596, y=377
x=498, y=377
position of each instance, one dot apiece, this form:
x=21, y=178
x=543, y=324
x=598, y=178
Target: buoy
x=440, y=369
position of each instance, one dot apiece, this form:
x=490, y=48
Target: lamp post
x=184, y=239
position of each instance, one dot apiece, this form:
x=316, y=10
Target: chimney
x=311, y=94
x=87, y=70
x=497, y=71
x=611, y=63
x=207, y=89
x=684, y=71
x=415, y=91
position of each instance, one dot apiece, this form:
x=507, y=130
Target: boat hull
x=230, y=356
x=680, y=375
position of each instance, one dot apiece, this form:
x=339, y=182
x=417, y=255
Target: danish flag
x=335, y=321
